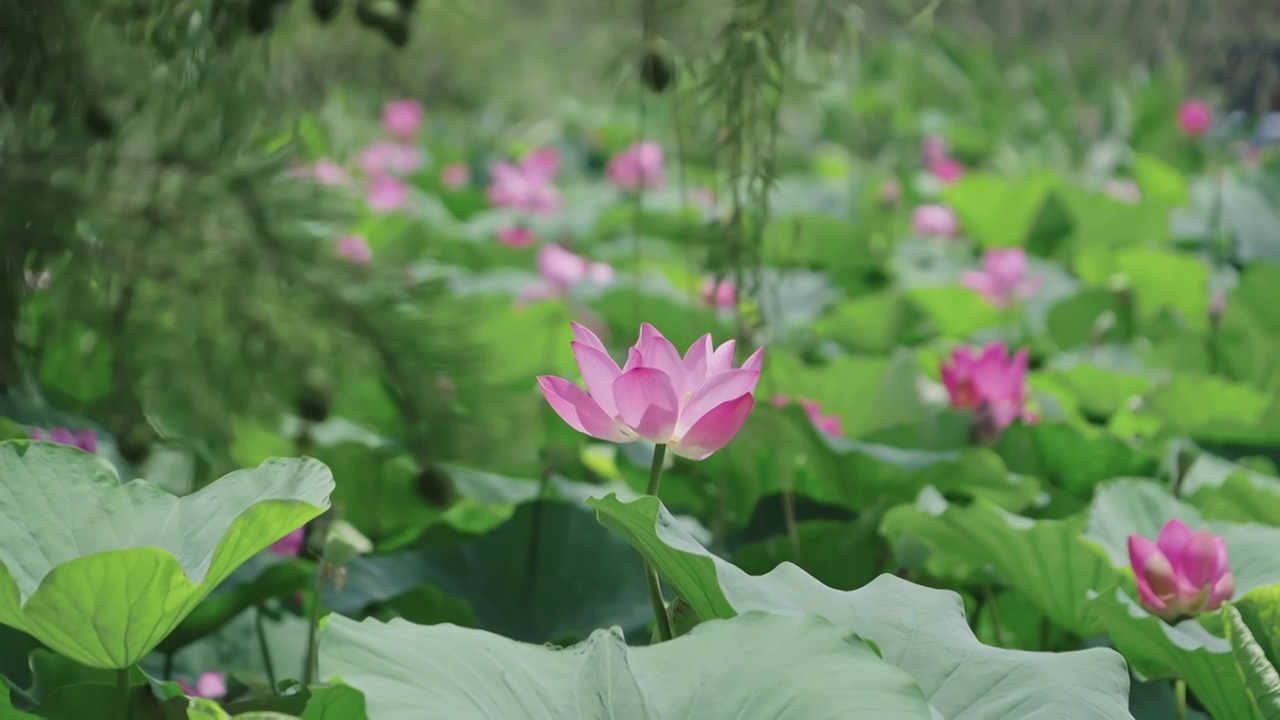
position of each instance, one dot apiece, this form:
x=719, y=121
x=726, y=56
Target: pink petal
x=584, y=335
x=981, y=283
x=290, y=545
x=647, y=403
x=1203, y=559
x=211, y=685
x=577, y=409
x=715, y=429
x=516, y=237
x=696, y=358
x=722, y=358
x=386, y=193
x=1148, y=562
x=560, y=267
x=1173, y=537
x=658, y=353
x=779, y=400
x=1222, y=591
x=718, y=390
x=537, y=292
x=599, y=372
x=755, y=361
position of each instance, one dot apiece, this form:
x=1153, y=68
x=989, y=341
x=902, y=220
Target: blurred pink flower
x=384, y=157
x=402, y=118
x=1126, y=191
x=84, y=439
x=324, y=171
x=828, y=424
x=212, y=685
x=990, y=382
x=290, y=545
x=1003, y=278
x=935, y=221
x=561, y=270
x=455, y=176
x=354, y=248
x=779, y=400
x=694, y=405
x=386, y=193
x=933, y=148
x=946, y=169
x=516, y=236
x=722, y=294
x=1195, y=118
x=1181, y=573
x=527, y=185
x=638, y=167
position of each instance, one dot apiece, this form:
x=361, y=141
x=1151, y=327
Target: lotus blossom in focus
x=722, y=294
x=354, y=248
x=402, y=118
x=210, y=685
x=561, y=270
x=84, y=439
x=455, y=176
x=382, y=158
x=527, y=185
x=693, y=404
x=638, y=167
x=386, y=193
x=934, y=221
x=989, y=382
x=1182, y=573
x=290, y=545
x=1003, y=278
x=1195, y=118
x=516, y=236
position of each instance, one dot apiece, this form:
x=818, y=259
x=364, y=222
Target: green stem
x=313, y=647
x=996, y=627
x=124, y=686
x=265, y=649
x=1180, y=698
x=650, y=572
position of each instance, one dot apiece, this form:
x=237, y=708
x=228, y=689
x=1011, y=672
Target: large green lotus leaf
x=756, y=666
x=1142, y=507
x=1224, y=490
x=101, y=571
x=1044, y=560
x=998, y=211
x=919, y=629
x=1259, y=674
x=875, y=323
x=550, y=573
x=1212, y=409
x=1261, y=611
x=1073, y=457
x=1156, y=649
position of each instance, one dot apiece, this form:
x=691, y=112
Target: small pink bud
x=1182, y=573
x=1195, y=118
x=516, y=236
x=638, y=167
x=402, y=118
x=386, y=194
x=934, y=221
x=355, y=249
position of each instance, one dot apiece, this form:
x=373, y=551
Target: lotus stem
x=651, y=573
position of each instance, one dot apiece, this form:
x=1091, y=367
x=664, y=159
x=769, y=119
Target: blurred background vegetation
x=146, y=146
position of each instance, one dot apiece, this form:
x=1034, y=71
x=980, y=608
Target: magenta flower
x=290, y=545
x=1194, y=118
x=1003, y=278
x=386, y=194
x=694, y=405
x=990, y=382
x=1182, y=572
x=934, y=221
x=84, y=439
x=638, y=167
x=946, y=169
x=354, y=248
x=722, y=294
x=455, y=176
x=211, y=685
x=561, y=270
x=384, y=157
x=516, y=236
x=402, y=118
x=527, y=186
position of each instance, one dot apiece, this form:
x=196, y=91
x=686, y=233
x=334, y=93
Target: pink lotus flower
x=455, y=176
x=386, y=194
x=84, y=439
x=402, y=118
x=561, y=270
x=946, y=169
x=1182, y=572
x=1195, y=118
x=382, y=158
x=1003, y=279
x=211, y=685
x=694, y=405
x=354, y=248
x=722, y=294
x=528, y=185
x=828, y=424
x=935, y=221
x=638, y=167
x=990, y=382
x=290, y=545
x=516, y=236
